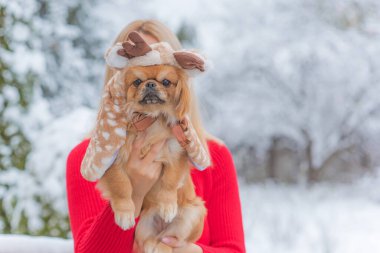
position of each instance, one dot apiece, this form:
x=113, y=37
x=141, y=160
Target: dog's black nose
x=150, y=85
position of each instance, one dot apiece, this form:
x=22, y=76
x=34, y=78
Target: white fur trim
x=164, y=44
x=113, y=59
x=150, y=58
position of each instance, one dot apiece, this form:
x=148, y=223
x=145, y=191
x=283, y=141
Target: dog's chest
x=174, y=147
x=159, y=131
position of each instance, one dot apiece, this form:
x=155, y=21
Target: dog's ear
x=192, y=62
x=182, y=96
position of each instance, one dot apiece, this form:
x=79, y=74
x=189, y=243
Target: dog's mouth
x=151, y=99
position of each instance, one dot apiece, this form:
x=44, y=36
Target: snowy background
x=293, y=93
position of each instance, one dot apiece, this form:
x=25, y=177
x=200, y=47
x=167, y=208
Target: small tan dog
x=154, y=98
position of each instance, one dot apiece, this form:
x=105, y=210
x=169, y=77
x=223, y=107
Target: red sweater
x=92, y=219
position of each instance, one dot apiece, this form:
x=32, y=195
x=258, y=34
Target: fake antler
x=138, y=48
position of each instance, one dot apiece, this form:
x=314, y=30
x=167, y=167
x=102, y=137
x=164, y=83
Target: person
x=91, y=217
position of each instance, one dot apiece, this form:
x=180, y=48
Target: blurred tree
x=15, y=95
x=73, y=49
x=290, y=72
x=50, y=52
x=187, y=34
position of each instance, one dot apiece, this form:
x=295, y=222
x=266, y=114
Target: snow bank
x=324, y=218
x=282, y=218
x=29, y=244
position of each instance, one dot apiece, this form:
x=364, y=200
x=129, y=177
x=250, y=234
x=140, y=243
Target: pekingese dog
x=149, y=91
x=159, y=93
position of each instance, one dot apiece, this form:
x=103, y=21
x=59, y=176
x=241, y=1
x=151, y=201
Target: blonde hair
x=162, y=33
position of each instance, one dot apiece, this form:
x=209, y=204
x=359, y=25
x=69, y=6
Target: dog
x=154, y=96
x=171, y=206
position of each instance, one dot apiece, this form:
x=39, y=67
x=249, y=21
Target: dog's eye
x=166, y=82
x=137, y=82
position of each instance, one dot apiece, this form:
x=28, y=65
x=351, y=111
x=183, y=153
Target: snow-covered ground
x=322, y=219
x=30, y=244
x=281, y=219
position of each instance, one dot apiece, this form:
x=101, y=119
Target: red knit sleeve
x=91, y=217
x=224, y=207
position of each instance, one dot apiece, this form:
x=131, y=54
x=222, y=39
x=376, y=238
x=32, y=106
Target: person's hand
x=181, y=246
x=143, y=173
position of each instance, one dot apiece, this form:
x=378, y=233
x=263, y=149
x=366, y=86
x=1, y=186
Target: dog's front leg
x=171, y=180
x=117, y=188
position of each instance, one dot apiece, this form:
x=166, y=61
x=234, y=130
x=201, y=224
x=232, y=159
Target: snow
x=28, y=244
x=323, y=218
x=52, y=139
x=282, y=218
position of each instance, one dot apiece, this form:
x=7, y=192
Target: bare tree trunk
x=312, y=172
x=271, y=163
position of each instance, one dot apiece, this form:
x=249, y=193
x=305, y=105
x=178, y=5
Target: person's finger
x=172, y=242
x=153, y=152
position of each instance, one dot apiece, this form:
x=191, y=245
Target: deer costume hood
x=114, y=119
x=140, y=53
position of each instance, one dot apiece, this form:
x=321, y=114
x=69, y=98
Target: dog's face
x=158, y=89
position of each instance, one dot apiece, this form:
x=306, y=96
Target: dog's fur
x=171, y=207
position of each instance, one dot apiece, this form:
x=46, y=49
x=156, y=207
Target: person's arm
x=223, y=207
x=91, y=218
x=223, y=210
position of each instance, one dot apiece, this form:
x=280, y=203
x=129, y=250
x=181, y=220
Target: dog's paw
x=168, y=211
x=125, y=220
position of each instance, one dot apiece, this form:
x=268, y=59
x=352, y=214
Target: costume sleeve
x=91, y=218
x=109, y=132
x=224, y=207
